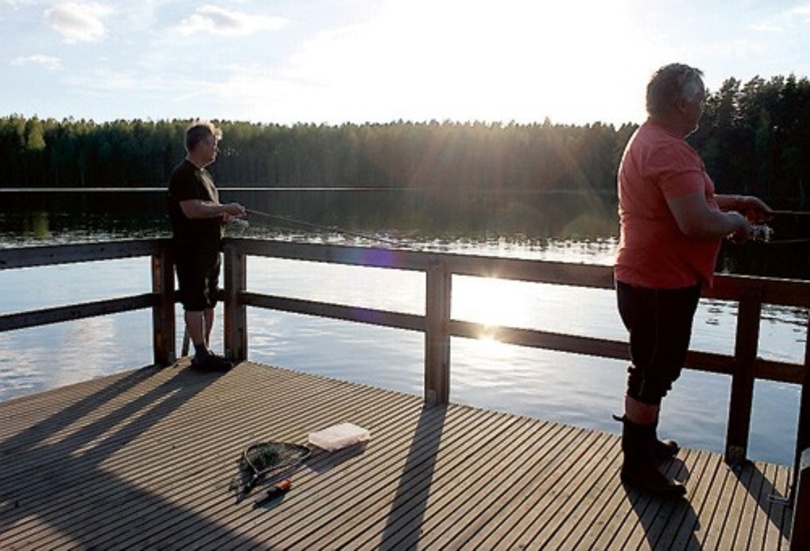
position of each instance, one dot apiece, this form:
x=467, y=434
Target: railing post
x=800, y=531
x=163, y=326
x=742, y=378
x=236, y=346
x=437, y=333
x=803, y=430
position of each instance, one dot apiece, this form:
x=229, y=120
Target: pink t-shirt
x=653, y=252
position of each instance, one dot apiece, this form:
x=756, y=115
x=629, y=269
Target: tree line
x=753, y=138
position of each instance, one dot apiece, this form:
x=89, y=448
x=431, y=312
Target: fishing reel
x=761, y=232
x=238, y=225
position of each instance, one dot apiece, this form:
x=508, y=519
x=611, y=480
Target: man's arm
x=197, y=208
x=695, y=219
x=754, y=209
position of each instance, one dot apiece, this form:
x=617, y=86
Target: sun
x=489, y=301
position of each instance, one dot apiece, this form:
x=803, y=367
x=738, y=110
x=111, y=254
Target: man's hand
x=755, y=210
x=744, y=228
x=234, y=209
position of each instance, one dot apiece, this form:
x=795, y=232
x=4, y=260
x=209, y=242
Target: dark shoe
x=211, y=363
x=223, y=364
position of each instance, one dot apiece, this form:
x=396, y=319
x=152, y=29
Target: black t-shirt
x=193, y=234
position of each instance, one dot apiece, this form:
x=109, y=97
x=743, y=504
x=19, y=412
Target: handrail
x=800, y=529
x=161, y=299
x=781, y=292
x=30, y=257
x=744, y=367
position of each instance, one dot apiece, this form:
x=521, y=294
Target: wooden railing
x=161, y=299
x=744, y=367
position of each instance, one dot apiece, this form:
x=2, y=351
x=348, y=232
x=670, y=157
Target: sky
x=378, y=61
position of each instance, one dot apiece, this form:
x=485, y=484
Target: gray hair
x=671, y=82
x=199, y=131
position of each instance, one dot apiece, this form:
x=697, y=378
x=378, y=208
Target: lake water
x=574, y=389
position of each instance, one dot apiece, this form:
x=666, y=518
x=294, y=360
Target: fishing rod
x=312, y=225
x=795, y=241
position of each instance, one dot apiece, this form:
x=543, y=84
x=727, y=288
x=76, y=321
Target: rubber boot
x=663, y=450
x=640, y=467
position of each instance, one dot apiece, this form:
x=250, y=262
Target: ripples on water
x=568, y=388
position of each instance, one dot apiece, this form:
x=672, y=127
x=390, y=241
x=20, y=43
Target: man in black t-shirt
x=197, y=218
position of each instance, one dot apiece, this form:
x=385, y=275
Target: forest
x=753, y=138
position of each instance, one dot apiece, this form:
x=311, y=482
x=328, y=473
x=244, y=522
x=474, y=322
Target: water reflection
x=36, y=226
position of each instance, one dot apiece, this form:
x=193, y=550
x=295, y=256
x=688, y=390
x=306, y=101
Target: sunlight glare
x=467, y=61
x=488, y=301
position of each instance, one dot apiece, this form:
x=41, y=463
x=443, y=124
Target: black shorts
x=660, y=326
x=198, y=281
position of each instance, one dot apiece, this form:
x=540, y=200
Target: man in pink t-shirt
x=672, y=224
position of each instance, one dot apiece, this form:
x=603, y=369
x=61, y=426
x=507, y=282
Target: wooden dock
x=144, y=459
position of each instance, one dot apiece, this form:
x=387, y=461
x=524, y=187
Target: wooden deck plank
x=641, y=532
x=320, y=415
x=514, y=482
x=143, y=459
x=741, y=512
x=680, y=525
x=404, y=488
x=470, y=508
x=181, y=455
x=580, y=490
x=717, y=528
x=769, y=514
x=778, y=515
x=411, y=502
x=539, y=469
x=467, y=497
x=404, y=491
x=129, y=455
x=312, y=500
x=599, y=496
x=176, y=473
x=337, y=479
x=549, y=512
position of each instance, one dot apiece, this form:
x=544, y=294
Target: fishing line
x=792, y=212
x=334, y=229
x=796, y=241
x=762, y=233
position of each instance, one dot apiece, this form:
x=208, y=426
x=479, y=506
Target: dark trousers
x=660, y=325
x=198, y=280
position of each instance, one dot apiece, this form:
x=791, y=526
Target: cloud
x=78, y=22
x=796, y=18
x=46, y=61
x=218, y=20
x=800, y=15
